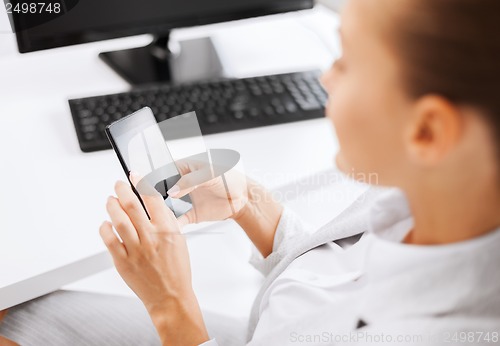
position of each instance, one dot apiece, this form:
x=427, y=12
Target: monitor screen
x=92, y=20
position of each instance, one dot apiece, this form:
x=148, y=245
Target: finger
x=115, y=247
x=158, y=212
x=133, y=207
x=190, y=181
x=122, y=224
x=192, y=163
x=183, y=166
x=187, y=218
x=177, y=191
x=2, y=314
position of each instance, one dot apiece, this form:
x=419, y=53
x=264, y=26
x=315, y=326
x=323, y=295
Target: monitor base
x=193, y=60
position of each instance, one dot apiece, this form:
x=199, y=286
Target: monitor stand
x=191, y=60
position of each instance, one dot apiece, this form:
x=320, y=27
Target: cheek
x=362, y=122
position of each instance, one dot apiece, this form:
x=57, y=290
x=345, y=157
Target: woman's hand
x=154, y=262
x=214, y=197
x=237, y=196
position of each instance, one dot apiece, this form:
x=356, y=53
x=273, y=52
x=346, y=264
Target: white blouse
x=382, y=291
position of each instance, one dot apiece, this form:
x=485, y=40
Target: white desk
x=53, y=195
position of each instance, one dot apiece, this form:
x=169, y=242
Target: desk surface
x=53, y=195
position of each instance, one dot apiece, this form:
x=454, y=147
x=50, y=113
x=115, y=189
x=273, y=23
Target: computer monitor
x=82, y=21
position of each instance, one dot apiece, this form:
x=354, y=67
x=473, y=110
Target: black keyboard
x=220, y=105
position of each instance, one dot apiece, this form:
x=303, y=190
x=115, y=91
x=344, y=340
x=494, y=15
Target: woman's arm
x=153, y=260
x=179, y=321
x=259, y=217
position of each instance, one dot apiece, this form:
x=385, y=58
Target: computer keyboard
x=220, y=105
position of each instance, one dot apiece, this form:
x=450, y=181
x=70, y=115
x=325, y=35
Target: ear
x=434, y=130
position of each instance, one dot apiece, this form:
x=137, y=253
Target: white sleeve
x=290, y=231
x=210, y=342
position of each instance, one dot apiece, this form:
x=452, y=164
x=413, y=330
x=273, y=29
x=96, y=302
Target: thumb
x=189, y=182
x=181, y=188
x=187, y=218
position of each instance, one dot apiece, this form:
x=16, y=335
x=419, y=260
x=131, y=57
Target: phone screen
x=141, y=148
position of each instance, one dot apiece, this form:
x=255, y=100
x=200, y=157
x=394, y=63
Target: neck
x=446, y=214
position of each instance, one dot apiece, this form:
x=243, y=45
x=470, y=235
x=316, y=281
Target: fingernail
x=174, y=190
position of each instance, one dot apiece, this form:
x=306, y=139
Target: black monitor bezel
x=25, y=45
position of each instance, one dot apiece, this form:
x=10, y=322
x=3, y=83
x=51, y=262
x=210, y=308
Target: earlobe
x=434, y=130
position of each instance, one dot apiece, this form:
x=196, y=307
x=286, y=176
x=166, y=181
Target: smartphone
x=141, y=148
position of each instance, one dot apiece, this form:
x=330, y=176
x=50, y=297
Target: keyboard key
x=89, y=121
x=212, y=118
x=279, y=109
x=253, y=112
x=238, y=115
x=85, y=113
x=290, y=107
x=89, y=128
x=269, y=111
x=309, y=105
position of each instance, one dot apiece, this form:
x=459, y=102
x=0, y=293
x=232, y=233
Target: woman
x=413, y=99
